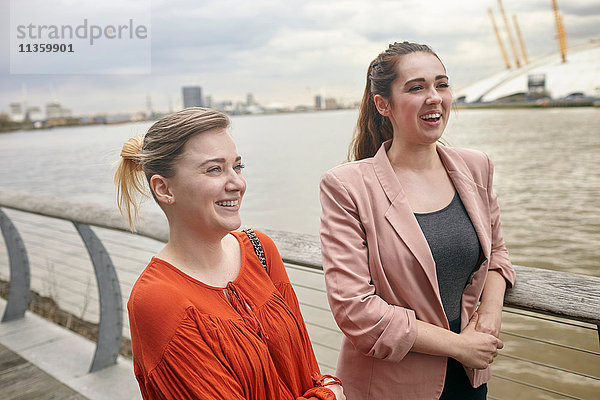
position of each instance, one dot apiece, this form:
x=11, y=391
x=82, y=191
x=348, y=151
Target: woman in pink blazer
x=411, y=243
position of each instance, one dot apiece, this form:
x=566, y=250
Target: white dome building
x=549, y=77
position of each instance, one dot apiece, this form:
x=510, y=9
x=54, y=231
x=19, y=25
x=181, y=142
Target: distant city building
x=16, y=108
x=318, y=102
x=208, y=102
x=330, y=103
x=56, y=115
x=250, y=99
x=536, y=86
x=192, y=96
x=226, y=106
x=34, y=113
x=55, y=110
x=17, y=113
x=149, y=111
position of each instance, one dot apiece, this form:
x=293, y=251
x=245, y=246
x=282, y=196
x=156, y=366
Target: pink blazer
x=381, y=276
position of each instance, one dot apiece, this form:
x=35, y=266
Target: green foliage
x=7, y=125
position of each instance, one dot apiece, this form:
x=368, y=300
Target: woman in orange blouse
x=211, y=316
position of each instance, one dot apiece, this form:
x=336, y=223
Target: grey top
x=455, y=248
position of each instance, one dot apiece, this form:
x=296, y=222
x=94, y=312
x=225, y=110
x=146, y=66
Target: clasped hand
x=478, y=347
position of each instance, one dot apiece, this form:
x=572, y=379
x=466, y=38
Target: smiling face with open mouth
x=420, y=102
x=208, y=185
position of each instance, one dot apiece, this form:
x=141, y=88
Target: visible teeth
x=229, y=203
x=431, y=116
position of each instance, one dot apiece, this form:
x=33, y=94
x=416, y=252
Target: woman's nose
x=235, y=181
x=433, y=97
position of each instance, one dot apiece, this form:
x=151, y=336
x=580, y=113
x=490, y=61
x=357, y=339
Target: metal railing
x=556, y=298
x=111, y=307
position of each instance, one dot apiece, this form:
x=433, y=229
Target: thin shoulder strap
x=257, y=247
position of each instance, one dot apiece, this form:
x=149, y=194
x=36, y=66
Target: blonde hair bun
x=133, y=148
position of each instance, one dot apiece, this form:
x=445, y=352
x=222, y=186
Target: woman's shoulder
x=156, y=291
x=473, y=163
x=261, y=235
x=265, y=240
x=349, y=172
x=470, y=156
x=156, y=310
x=351, y=166
x=276, y=269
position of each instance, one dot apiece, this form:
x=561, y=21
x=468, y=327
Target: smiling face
x=208, y=186
x=420, y=100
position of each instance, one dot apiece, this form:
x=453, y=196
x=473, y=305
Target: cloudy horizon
x=287, y=52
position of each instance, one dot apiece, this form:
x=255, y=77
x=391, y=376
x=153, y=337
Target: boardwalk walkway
x=41, y=360
x=20, y=380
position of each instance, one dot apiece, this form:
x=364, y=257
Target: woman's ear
x=160, y=187
x=382, y=104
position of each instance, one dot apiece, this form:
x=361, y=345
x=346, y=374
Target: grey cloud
x=580, y=9
x=185, y=39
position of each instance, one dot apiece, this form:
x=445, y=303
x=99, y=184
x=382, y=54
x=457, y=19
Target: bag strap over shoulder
x=257, y=247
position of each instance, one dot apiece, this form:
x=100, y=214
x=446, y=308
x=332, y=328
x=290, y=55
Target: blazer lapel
x=469, y=194
x=401, y=216
x=403, y=220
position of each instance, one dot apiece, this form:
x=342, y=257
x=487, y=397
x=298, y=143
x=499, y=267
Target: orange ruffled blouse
x=190, y=342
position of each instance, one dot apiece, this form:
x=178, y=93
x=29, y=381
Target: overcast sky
x=287, y=51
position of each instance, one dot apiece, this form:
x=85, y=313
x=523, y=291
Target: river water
x=547, y=172
x=547, y=177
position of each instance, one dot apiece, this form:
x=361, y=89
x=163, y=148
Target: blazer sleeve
x=375, y=327
x=499, y=260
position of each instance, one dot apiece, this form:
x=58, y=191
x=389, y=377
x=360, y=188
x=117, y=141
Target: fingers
x=500, y=344
x=480, y=347
x=493, y=354
x=488, y=350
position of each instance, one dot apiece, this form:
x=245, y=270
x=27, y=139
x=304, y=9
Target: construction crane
x=518, y=30
x=499, y=39
x=510, y=38
x=560, y=30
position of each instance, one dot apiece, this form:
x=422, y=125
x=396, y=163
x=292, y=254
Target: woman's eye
x=214, y=170
x=239, y=167
x=415, y=88
x=444, y=85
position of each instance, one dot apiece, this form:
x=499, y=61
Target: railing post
x=18, y=292
x=111, y=308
